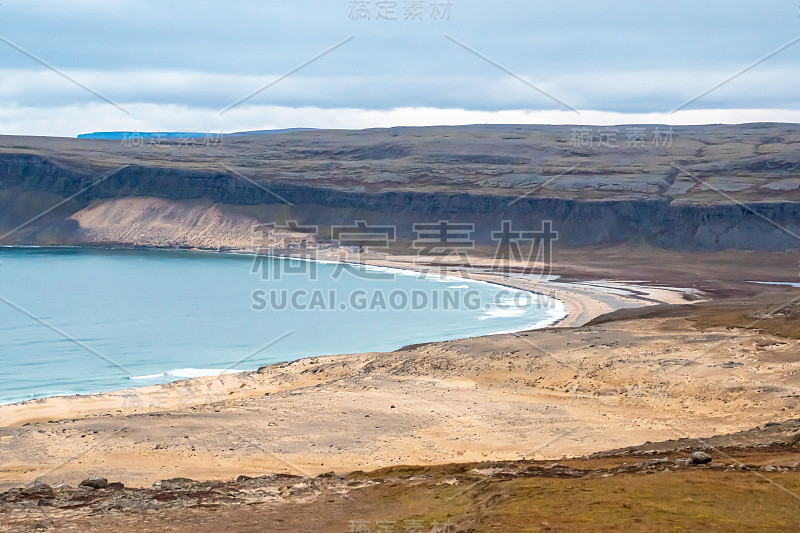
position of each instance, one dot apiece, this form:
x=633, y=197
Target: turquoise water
x=75, y=321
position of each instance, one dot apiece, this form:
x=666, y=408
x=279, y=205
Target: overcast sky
x=142, y=65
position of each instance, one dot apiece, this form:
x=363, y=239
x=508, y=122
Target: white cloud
x=69, y=121
x=193, y=57
x=621, y=91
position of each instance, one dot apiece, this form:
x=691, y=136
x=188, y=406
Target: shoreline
x=496, y=398
x=550, y=320
x=581, y=303
x=492, y=398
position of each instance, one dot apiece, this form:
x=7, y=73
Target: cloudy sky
x=74, y=66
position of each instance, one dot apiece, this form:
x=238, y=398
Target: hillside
x=675, y=188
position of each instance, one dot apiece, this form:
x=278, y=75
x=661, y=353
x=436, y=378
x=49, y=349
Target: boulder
x=95, y=483
x=176, y=483
x=700, y=458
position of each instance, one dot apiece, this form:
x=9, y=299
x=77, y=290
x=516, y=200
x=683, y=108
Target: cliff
x=699, y=188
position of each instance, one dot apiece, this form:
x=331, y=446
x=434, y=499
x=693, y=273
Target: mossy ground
x=694, y=500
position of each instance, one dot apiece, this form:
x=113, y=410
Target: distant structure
x=121, y=135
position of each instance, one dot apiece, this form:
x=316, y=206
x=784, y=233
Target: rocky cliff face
x=98, y=192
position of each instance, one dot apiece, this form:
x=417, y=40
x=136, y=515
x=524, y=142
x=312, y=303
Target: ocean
x=79, y=321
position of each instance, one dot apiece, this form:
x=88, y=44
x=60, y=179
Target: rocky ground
x=699, y=482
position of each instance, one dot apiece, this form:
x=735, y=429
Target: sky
x=77, y=66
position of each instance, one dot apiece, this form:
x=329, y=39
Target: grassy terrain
x=781, y=319
x=685, y=501
x=695, y=500
x=605, y=494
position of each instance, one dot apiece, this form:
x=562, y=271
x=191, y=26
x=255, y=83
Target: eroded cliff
x=703, y=188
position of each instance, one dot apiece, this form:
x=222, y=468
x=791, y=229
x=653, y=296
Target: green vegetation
x=693, y=500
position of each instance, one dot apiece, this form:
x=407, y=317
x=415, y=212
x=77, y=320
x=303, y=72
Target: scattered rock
x=95, y=483
x=38, y=490
x=176, y=483
x=700, y=458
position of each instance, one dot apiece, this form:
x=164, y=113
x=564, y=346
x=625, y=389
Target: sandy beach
x=567, y=390
x=583, y=301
